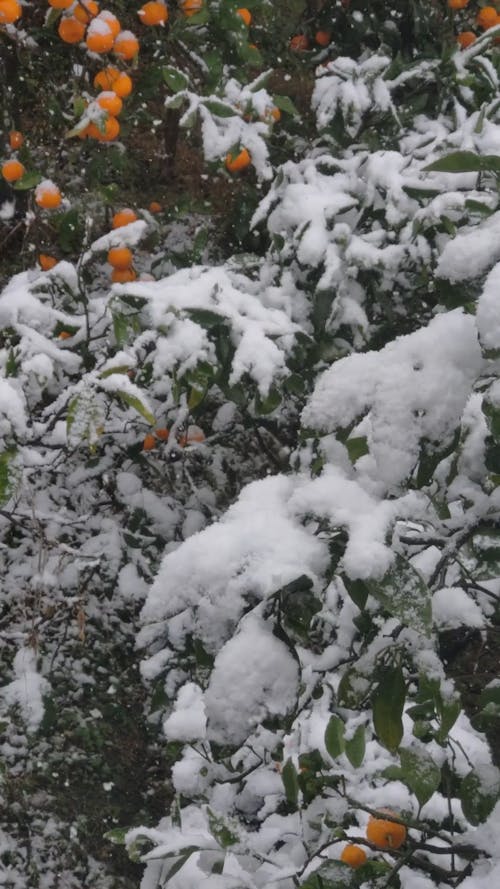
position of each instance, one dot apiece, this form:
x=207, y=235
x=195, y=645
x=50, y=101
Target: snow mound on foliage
x=414, y=388
x=26, y=691
x=256, y=548
x=488, y=310
x=452, y=607
x=471, y=253
x=260, y=333
x=254, y=677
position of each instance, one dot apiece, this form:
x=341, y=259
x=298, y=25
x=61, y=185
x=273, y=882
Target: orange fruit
x=299, y=43
x=65, y=335
x=111, y=21
x=245, y=14
x=149, y=442
x=61, y=4
x=16, y=139
x=155, y=207
x=457, y=4
x=162, y=434
x=10, y=12
x=126, y=45
x=46, y=262
x=353, y=855
x=322, y=38
x=85, y=14
x=122, y=86
x=466, y=38
x=385, y=834
x=153, y=13
x=191, y=7
x=123, y=276
x=239, y=162
x=193, y=434
x=271, y=114
x=12, y=170
x=110, y=102
x=107, y=131
x=70, y=30
x=487, y=17
x=123, y=217
x=105, y=78
x=47, y=195
x=99, y=37
x=120, y=257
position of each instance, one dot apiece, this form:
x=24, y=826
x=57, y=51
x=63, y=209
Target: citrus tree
x=284, y=458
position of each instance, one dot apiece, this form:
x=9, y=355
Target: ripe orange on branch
x=10, y=12
x=466, y=38
x=353, y=855
x=107, y=131
x=61, y=4
x=48, y=195
x=46, y=261
x=153, y=13
x=458, y=4
x=383, y=833
x=70, y=30
x=123, y=217
x=13, y=170
x=487, y=17
x=86, y=10
x=299, y=43
x=120, y=257
x=126, y=45
x=16, y=139
x=110, y=102
x=191, y=7
x=245, y=14
x=100, y=38
x=123, y=276
x=236, y=163
x=111, y=21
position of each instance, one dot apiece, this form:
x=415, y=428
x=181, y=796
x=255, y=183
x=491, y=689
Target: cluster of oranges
x=192, y=435
x=120, y=257
x=383, y=834
x=486, y=18
x=47, y=193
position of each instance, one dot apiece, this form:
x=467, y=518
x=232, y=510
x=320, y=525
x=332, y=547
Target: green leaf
x=176, y=80
x=70, y=231
x=449, y=711
x=220, y=109
x=420, y=773
x=478, y=796
x=117, y=835
x=388, y=702
x=404, y=594
x=465, y=162
x=357, y=447
x=119, y=369
x=290, y=782
x=353, y=689
x=205, y=318
x=137, y=405
x=120, y=328
x=334, y=737
x=9, y=477
x=220, y=830
x=355, y=747
x=456, y=162
x=29, y=180
x=284, y=103
x=358, y=591
x=268, y=404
